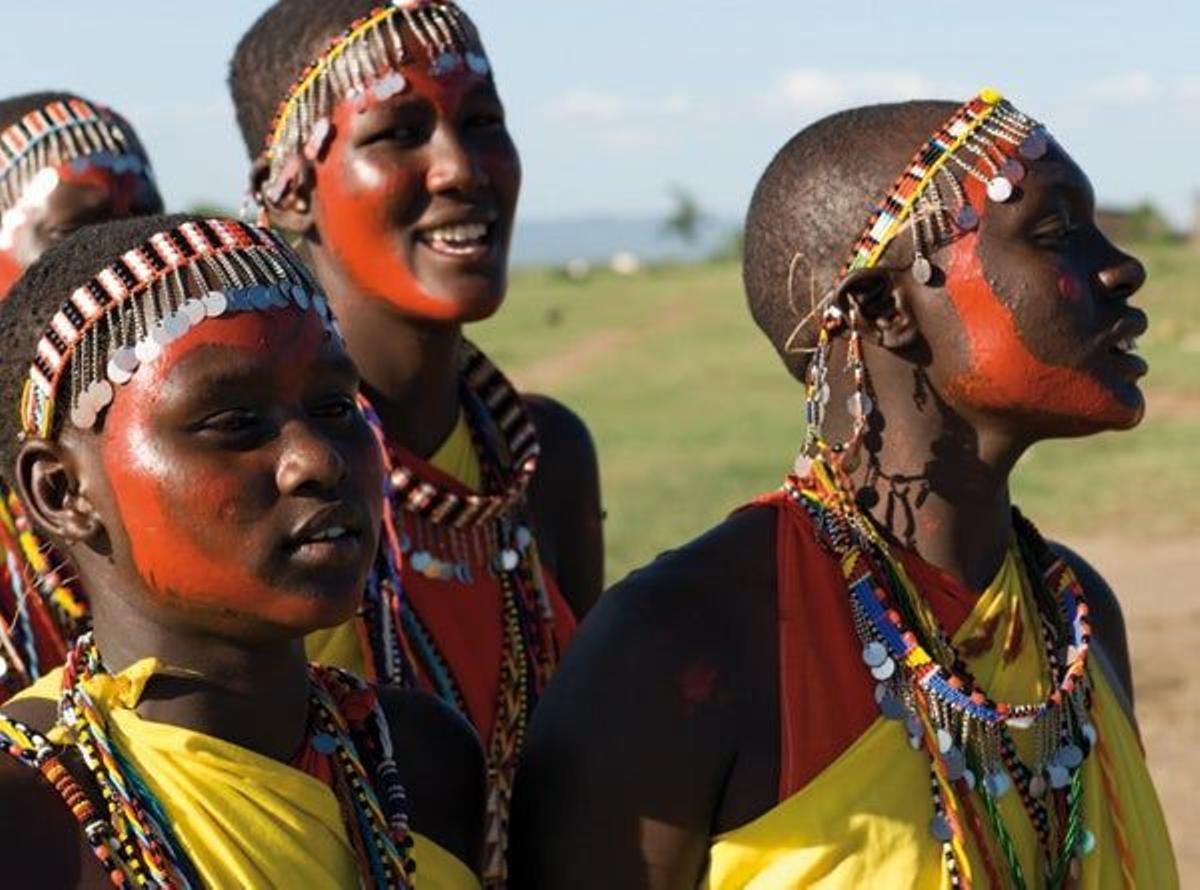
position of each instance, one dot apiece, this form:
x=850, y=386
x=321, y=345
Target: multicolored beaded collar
x=131, y=834
x=450, y=537
x=151, y=296
x=923, y=683
x=363, y=63
x=66, y=131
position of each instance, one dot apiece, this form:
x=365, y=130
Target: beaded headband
x=64, y=131
x=987, y=139
x=154, y=294
x=362, y=63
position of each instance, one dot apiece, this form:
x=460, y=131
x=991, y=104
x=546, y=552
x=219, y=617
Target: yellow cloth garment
x=246, y=821
x=341, y=646
x=864, y=821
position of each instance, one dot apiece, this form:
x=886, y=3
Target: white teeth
x=469, y=233
x=1128, y=344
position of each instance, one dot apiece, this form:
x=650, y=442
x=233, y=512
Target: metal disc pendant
x=1087, y=842
x=945, y=741
x=1089, y=732
x=479, y=64
x=922, y=270
x=874, y=654
x=324, y=743
x=999, y=190
x=892, y=708
x=997, y=784
x=1070, y=756
x=940, y=829
x=215, y=303
x=508, y=560
x=969, y=778
x=122, y=365
x=1034, y=146
x=147, y=350
x=524, y=538
x=956, y=764
x=1013, y=170
x=194, y=311
x=1059, y=776
x=1037, y=786
x=420, y=561
x=884, y=670
x=160, y=335
x=300, y=297
x=967, y=218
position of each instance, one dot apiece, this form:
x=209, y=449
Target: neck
x=930, y=479
x=409, y=366
x=254, y=695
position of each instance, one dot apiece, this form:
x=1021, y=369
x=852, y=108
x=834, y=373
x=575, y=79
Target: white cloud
x=588, y=105
x=1128, y=88
x=815, y=89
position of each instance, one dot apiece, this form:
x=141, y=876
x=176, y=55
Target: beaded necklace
x=132, y=837
x=922, y=681
x=445, y=535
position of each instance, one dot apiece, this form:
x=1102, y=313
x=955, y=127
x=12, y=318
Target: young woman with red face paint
x=881, y=675
x=65, y=162
x=379, y=139
x=181, y=421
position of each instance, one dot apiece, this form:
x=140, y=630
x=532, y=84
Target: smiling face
x=415, y=197
x=243, y=485
x=82, y=193
x=1037, y=331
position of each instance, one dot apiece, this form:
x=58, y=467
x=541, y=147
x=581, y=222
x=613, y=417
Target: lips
x=470, y=238
x=1121, y=344
x=330, y=536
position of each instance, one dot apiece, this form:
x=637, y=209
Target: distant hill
x=542, y=242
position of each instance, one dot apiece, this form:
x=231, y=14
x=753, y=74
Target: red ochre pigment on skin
x=10, y=271
x=359, y=221
x=1003, y=374
x=1069, y=287
x=187, y=519
x=699, y=683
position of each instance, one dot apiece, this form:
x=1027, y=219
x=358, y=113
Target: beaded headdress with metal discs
x=151, y=296
x=364, y=64
x=986, y=139
x=65, y=131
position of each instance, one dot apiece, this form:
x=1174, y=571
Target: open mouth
x=327, y=539
x=1123, y=348
x=460, y=240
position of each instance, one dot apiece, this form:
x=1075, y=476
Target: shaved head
x=812, y=204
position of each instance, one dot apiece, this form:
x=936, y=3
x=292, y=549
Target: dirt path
x=1158, y=583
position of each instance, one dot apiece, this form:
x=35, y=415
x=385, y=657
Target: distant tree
x=685, y=218
x=212, y=210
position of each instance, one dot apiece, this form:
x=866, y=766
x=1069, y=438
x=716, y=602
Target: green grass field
x=693, y=413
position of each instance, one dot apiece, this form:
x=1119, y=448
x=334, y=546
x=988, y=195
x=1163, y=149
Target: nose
x=1123, y=278
x=308, y=461
x=454, y=166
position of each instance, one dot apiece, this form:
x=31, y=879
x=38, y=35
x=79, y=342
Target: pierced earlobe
x=49, y=488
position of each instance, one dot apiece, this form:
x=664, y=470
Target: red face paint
x=86, y=193
x=1068, y=286
x=1003, y=375
x=438, y=155
x=204, y=513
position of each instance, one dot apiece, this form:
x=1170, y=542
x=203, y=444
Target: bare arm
x=441, y=765
x=565, y=499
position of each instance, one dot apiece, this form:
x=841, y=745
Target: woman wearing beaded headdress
x=65, y=162
x=379, y=139
x=182, y=424
x=881, y=675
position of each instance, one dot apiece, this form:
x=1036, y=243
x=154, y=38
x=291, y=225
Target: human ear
x=287, y=199
x=48, y=483
x=879, y=307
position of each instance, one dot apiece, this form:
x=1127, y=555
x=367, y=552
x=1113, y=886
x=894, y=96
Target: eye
x=1054, y=231
x=341, y=409
x=236, y=426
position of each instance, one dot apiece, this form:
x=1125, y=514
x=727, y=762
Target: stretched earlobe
x=48, y=485
x=879, y=307
x=286, y=199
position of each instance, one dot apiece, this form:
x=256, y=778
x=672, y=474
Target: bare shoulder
x=647, y=716
x=563, y=433
x=441, y=765
x=564, y=498
x=1108, y=621
x=41, y=844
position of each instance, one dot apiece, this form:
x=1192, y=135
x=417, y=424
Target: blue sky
x=611, y=103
